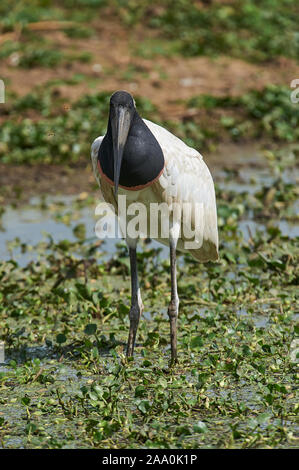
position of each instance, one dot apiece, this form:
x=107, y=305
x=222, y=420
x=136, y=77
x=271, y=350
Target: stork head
x=122, y=110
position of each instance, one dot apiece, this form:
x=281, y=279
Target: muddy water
x=32, y=224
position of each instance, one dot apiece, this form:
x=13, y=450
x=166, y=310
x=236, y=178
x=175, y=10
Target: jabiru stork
x=148, y=164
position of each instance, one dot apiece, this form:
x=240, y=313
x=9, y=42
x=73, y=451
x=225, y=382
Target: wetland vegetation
x=65, y=295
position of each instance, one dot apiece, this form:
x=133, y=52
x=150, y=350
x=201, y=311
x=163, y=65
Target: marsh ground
x=218, y=76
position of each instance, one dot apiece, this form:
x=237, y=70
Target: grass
x=64, y=315
x=254, y=30
x=53, y=136
x=264, y=113
x=31, y=55
x=73, y=131
x=248, y=29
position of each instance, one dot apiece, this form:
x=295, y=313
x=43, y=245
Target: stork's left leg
x=173, y=308
x=136, y=302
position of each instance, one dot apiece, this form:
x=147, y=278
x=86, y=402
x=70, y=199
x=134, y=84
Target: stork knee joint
x=173, y=310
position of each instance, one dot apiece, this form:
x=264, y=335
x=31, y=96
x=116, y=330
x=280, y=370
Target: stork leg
x=173, y=308
x=136, y=302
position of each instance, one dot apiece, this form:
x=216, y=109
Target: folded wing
x=186, y=185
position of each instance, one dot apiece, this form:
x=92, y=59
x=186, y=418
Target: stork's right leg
x=136, y=302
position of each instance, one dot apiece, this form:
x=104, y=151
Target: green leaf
x=60, y=338
x=25, y=400
x=146, y=363
x=140, y=391
x=143, y=406
x=200, y=427
x=262, y=417
x=196, y=342
x=90, y=329
x=183, y=430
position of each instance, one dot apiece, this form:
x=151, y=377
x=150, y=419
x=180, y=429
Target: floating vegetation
x=64, y=322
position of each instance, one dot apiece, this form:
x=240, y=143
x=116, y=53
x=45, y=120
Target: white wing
x=170, y=144
x=187, y=186
x=94, y=158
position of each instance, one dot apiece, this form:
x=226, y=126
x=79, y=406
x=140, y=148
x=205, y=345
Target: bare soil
x=18, y=183
x=166, y=81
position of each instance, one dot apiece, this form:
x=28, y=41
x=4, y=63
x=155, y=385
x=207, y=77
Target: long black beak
x=120, y=123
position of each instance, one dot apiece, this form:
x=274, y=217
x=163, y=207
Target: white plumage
x=185, y=182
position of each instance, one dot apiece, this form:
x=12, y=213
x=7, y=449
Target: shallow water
x=33, y=225
x=56, y=216
x=250, y=227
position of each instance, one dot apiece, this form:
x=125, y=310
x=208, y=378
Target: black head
x=122, y=110
x=122, y=98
